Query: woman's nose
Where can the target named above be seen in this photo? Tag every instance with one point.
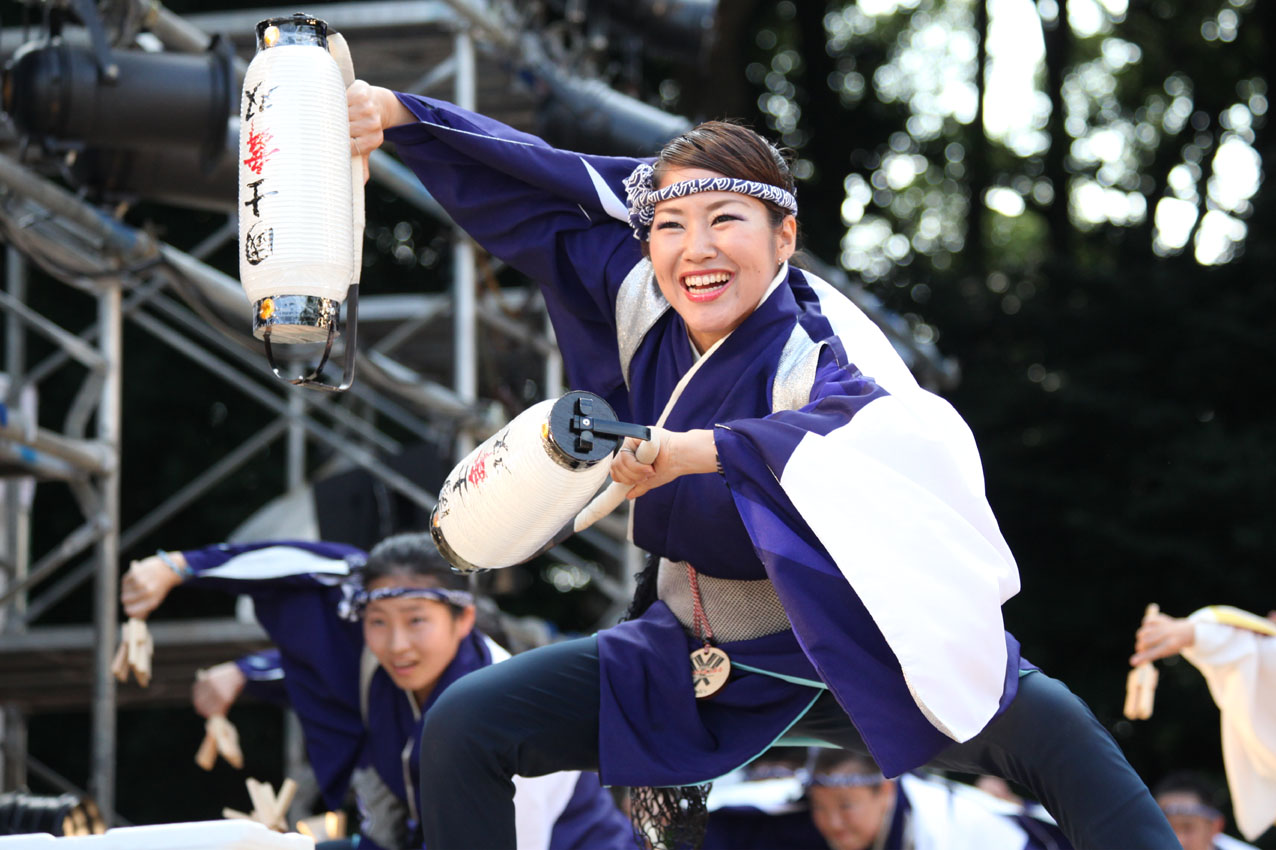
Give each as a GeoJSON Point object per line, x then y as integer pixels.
{"type": "Point", "coordinates": [700, 243]}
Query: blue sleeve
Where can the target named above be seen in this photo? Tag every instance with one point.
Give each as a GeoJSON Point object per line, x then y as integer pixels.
{"type": "Point", "coordinates": [295, 588]}
{"type": "Point", "coordinates": [264, 676]}
{"type": "Point", "coordinates": [252, 567]}
{"type": "Point", "coordinates": [557, 216]}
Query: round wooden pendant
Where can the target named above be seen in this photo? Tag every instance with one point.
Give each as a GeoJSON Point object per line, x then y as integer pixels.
{"type": "Point", "coordinates": [710, 668]}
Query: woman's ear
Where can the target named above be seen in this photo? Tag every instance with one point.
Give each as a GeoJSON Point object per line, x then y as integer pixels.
{"type": "Point", "coordinates": [786, 238]}
{"type": "Point", "coordinates": [465, 620]}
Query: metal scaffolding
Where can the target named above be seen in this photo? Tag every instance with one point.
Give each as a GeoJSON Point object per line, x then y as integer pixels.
{"type": "Point", "coordinates": [199, 313]}
{"type": "Point", "coordinates": [168, 293]}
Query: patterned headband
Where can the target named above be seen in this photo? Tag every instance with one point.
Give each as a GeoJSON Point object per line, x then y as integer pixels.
{"type": "Point", "coordinates": [842, 780]}
{"type": "Point", "coordinates": [769, 771]}
{"type": "Point", "coordinates": [356, 601]}
{"type": "Point", "coordinates": [643, 198]}
{"type": "Point", "coordinates": [1195, 810]}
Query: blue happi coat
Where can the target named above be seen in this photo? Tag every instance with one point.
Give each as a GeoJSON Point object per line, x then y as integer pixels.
{"type": "Point", "coordinates": [855, 492]}
{"type": "Point", "coordinates": [359, 727]}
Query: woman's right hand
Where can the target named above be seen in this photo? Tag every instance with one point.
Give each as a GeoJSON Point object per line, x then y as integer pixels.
{"type": "Point", "coordinates": [216, 689]}
{"type": "Point", "coordinates": [680, 453]}
{"type": "Point", "coordinates": [146, 584]}
{"type": "Point", "coordinates": [372, 110]}
{"type": "Point", "coordinates": [1161, 636]}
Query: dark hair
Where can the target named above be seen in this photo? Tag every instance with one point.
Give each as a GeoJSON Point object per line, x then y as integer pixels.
{"type": "Point", "coordinates": [733, 150]}
{"type": "Point", "coordinates": [1191, 782]}
{"type": "Point", "coordinates": [411, 555]}
{"type": "Point", "coordinates": [782, 756]}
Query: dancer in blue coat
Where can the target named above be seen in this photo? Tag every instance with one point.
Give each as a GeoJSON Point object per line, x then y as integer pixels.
{"type": "Point", "coordinates": [367, 644]}
{"type": "Point", "coordinates": [825, 552]}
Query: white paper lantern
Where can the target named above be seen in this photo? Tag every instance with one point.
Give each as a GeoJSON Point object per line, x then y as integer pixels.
{"type": "Point", "coordinates": [297, 250]}
{"type": "Point", "coordinates": [515, 494]}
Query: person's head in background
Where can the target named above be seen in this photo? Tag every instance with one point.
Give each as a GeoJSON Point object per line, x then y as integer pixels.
{"type": "Point", "coordinates": [416, 611]}
{"type": "Point", "coordinates": [851, 802]}
{"type": "Point", "coordinates": [1193, 806]}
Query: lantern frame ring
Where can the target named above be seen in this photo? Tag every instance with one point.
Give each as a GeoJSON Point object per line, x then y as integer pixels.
{"type": "Point", "coordinates": [313, 380]}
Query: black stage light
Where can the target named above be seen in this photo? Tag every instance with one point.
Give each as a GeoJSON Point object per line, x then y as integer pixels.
{"type": "Point", "coordinates": [178, 176]}
{"type": "Point", "coordinates": [68, 814]}
{"type": "Point", "coordinates": [589, 116]}
{"type": "Point", "coordinates": [66, 97]}
{"type": "Point", "coordinates": [676, 30]}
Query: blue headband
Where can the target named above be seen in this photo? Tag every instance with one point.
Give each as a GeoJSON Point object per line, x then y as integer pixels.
{"type": "Point", "coordinates": [842, 780]}
{"type": "Point", "coordinates": [769, 771]}
{"type": "Point", "coordinates": [1195, 810]}
{"type": "Point", "coordinates": [355, 599]}
{"type": "Point", "coordinates": [643, 198]}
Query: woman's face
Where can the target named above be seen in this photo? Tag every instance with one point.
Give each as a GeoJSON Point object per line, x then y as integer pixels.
{"type": "Point", "coordinates": [851, 818]}
{"type": "Point", "coordinates": [715, 254]}
{"type": "Point", "coordinates": [415, 639]}
{"type": "Point", "coordinates": [1194, 832]}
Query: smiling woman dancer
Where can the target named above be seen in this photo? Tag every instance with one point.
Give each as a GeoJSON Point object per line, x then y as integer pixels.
{"type": "Point", "coordinates": [819, 520]}
{"type": "Point", "coordinates": [368, 644]}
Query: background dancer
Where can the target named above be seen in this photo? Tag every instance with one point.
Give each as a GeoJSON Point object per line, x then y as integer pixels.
{"type": "Point", "coordinates": [368, 644]}
{"type": "Point", "coordinates": [1194, 807]}
{"type": "Point", "coordinates": [856, 808]}
{"type": "Point", "coordinates": [1236, 653]}
{"type": "Point", "coordinates": [819, 518]}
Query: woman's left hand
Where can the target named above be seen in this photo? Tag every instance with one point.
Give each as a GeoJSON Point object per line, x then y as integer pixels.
{"type": "Point", "coordinates": [216, 689]}
{"type": "Point", "coordinates": [681, 453]}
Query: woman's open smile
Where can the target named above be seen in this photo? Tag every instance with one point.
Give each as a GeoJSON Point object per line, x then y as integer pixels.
{"type": "Point", "coordinates": [707, 285]}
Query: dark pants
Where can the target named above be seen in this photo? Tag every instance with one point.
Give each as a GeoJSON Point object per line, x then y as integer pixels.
{"type": "Point", "coordinates": [1049, 741]}
{"type": "Point", "coordinates": [537, 713]}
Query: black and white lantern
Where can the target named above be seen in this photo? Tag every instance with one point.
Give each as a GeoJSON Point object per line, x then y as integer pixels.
{"type": "Point", "coordinates": [300, 190]}
{"type": "Point", "coordinates": [522, 489]}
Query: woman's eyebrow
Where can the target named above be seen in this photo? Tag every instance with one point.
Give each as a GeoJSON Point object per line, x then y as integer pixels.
{"type": "Point", "coordinates": [408, 603]}
{"type": "Point", "coordinates": [671, 207]}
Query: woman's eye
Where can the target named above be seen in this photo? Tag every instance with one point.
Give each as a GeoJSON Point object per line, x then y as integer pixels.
{"type": "Point", "coordinates": [667, 225]}
{"type": "Point", "coordinates": [722, 218]}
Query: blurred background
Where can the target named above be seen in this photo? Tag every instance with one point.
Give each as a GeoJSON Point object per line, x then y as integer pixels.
{"type": "Point", "coordinates": [1054, 208]}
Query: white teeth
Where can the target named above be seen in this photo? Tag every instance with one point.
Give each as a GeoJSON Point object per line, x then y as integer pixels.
{"type": "Point", "coordinates": [705, 280]}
